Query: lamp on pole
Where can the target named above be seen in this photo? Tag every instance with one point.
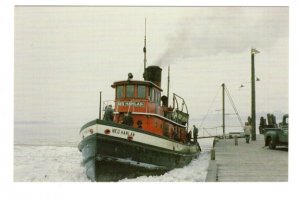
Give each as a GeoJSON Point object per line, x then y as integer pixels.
{"type": "Point", "coordinates": [243, 84]}
{"type": "Point", "coordinates": [253, 110]}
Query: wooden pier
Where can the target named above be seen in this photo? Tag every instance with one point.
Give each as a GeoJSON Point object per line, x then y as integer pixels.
{"type": "Point", "coordinates": [251, 162]}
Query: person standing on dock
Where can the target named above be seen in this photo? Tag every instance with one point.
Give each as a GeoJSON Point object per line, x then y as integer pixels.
{"type": "Point", "coordinates": [195, 133]}
{"type": "Point", "coordinates": [247, 130]}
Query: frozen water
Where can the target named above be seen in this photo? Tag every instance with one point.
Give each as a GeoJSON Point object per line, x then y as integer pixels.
{"type": "Point", "coordinates": [48, 163]}
{"type": "Point", "coordinates": [194, 172]}
{"type": "Point", "coordinates": [60, 163]}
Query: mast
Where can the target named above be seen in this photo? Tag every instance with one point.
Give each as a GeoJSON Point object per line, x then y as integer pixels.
{"type": "Point", "coordinates": [100, 105]}
{"type": "Point", "coordinates": [145, 51]}
{"type": "Point", "coordinates": [168, 84]}
{"type": "Point", "coordinates": [223, 109]}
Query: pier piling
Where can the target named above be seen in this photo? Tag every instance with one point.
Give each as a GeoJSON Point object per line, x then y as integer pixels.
{"type": "Point", "coordinates": [236, 142]}
{"type": "Point", "coordinates": [212, 154]}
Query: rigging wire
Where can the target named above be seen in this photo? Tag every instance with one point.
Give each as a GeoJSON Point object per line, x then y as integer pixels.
{"type": "Point", "coordinates": [233, 105]}
{"type": "Point", "coordinates": [210, 106]}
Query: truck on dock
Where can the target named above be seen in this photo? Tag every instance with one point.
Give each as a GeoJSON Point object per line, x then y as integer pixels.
{"type": "Point", "coordinates": [277, 136]}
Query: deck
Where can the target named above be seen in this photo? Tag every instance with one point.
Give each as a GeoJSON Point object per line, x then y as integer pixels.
{"type": "Point", "coordinates": [251, 162]}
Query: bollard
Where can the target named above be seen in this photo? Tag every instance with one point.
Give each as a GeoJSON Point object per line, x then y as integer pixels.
{"type": "Point", "coordinates": [212, 154]}
{"type": "Point", "coordinates": [236, 141]}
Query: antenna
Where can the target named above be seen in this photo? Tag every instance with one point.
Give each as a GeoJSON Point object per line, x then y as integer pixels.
{"type": "Point", "coordinates": [144, 50]}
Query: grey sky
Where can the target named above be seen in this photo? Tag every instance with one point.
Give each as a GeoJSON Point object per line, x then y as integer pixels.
{"type": "Point", "coordinates": [65, 55]}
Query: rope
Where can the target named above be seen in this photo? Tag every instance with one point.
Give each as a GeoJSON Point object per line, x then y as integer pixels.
{"type": "Point", "coordinates": [206, 131]}
{"type": "Point", "coordinates": [213, 127]}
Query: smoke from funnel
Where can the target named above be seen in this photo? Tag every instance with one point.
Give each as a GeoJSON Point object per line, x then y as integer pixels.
{"type": "Point", "coordinates": [223, 32]}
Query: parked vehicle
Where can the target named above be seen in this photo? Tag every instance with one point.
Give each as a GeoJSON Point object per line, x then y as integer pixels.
{"type": "Point", "coordinates": [277, 136]}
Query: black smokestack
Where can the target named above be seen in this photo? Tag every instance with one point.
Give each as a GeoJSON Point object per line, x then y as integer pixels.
{"type": "Point", "coordinates": [153, 74]}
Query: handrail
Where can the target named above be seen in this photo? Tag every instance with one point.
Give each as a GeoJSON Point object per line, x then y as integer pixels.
{"type": "Point", "coordinates": [183, 103]}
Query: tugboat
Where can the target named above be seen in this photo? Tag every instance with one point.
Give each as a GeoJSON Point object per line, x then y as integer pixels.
{"type": "Point", "coordinates": [139, 134]}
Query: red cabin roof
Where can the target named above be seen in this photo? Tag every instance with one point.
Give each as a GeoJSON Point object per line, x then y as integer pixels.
{"type": "Point", "coordinates": [137, 82]}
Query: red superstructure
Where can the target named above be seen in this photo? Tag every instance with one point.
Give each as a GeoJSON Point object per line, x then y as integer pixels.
{"type": "Point", "coordinates": [140, 105]}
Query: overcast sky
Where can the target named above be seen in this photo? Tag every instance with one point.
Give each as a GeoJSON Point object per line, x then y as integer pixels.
{"type": "Point", "coordinates": [65, 55]}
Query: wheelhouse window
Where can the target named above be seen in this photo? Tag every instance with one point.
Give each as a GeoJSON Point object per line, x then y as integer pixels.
{"type": "Point", "coordinates": [150, 93]}
{"type": "Point", "coordinates": [158, 98]}
{"type": "Point", "coordinates": [120, 91]}
{"type": "Point", "coordinates": [154, 95]}
{"type": "Point", "coordinates": [141, 91]}
{"type": "Point", "coordinates": [130, 91]}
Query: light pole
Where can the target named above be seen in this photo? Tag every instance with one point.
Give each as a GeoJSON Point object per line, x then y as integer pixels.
{"type": "Point", "coordinates": [253, 111]}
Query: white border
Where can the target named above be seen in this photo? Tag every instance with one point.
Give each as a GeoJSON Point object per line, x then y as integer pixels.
{"type": "Point", "coordinates": [10, 190]}
{"type": "Point", "coordinates": [155, 2]}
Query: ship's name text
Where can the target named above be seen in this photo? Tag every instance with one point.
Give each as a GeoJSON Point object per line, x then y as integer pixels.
{"type": "Point", "coordinates": [129, 103]}
{"type": "Point", "coordinates": [122, 132]}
